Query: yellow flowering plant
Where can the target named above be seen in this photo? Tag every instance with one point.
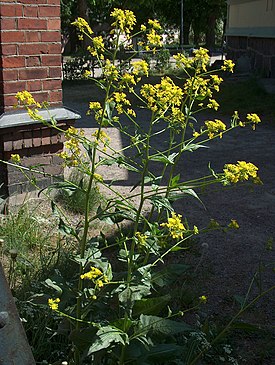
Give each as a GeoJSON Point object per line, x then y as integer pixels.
{"type": "Point", "coordinates": [119, 303]}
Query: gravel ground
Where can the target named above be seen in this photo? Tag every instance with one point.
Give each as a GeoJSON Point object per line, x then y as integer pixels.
{"type": "Point", "coordinates": [230, 260]}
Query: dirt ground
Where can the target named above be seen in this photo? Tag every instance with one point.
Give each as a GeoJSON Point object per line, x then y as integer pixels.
{"type": "Point", "coordinates": [230, 260]}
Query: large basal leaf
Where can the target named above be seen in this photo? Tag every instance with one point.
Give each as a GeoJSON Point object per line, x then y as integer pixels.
{"type": "Point", "coordinates": [105, 337]}
{"type": "Point", "coordinates": [158, 325]}
{"type": "Point", "coordinates": [169, 274]}
{"type": "Point", "coordinates": [151, 305]}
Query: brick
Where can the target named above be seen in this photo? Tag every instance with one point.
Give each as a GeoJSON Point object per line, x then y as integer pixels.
{"type": "Point", "coordinates": [55, 2]}
{"type": "Point", "coordinates": [31, 23]}
{"type": "Point", "coordinates": [34, 85]}
{"type": "Point", "coordinates": [18, 144]}
{"type": "Point", "coordinates": [12, 36]}
{"type": "Point", "coordinates": [13, 86]}
{"type": "Point", "coordinates": [13, 10]}
{"type": "Point", "coordinates": [51, 84]}
{"type": "Point", "coordinates": [51, 60]}
{"type": "Point", "coordinates": [54, 48]}
{"type": "Point", "coordinates": [8, 23]}
{"type": "Point", "coordinates": [56, 96]}
{"type": "Point", "coordinates": [27, 139]}
{"type": "Point", "coordinates": [32, 49]}
{"type": "Point", "coordinates": [32, 36]}
{"type": "Point", "coordinates": [8, 49]}
{"type": "Point", "coordinates": [36, 139]}
{"type": "Point", "coordinates": [9, 101]}
{"type": "Point", "coordinates": [41, 96]}
{"type": "Point", "coordinates": [31, 11]}
{"type": "Point", "coordinates": [49, 11]}
{"type": "Point", "coordinates": [48, 36]}
{"type": "Point", "coordinates": [13, 62]}
{"type": "Point", "coordinates": [55, 72]}
{"type": "Point", "coordinates": [9, 75]}
{"type": "Point", "coordinates": [53, 24]}
{"type": "Point", "coordinates": [32, 2]}
{"type": "Point", "coordinates": [46, 136]}
{"type": "Point", "coordinates": [33, 73]}
{"type": "Point", "coordinates": [33, 61]}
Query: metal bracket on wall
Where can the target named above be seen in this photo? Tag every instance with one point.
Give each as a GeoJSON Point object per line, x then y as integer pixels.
{"type": "Point", "coordinates": [14, 347]}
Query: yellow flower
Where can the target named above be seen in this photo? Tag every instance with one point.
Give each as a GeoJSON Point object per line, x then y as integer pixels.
{"type": "Point", "coordinates": [228, 65]}
{"type": "Point", "coordinates": [15, 158]}
{"type": "Point", "coordinates": [213, 104]}
{"type": "Point", "coordinates": [203, 299]}
{"type": "Point", "coordinates": [53, 303]}
{"type": "Point", "coordinates": [99, 283]}
{"type": "Point", "coordinates": [154, 24]}
{"type": "Point", "coordinates": [234, 224]}
{"type": "Point", "coordinates": [215, 127]}
{"type": "Point", "coordinates": [140, 67]}
{"type": "Point", "coordinates": [98, 177]}
{"type": "Point", "coordinates": [143, 28]}
{"type": "Point", "coordinates": [154, 39]}
{"type": "Point", "coordinates": [141, 238]}
{"type": "Point", "coordinates": [124, 20]}
{"type": "Point", "coordinates": [110, 70]}
{"type": "Point", "coordinates": [82, 25]}
{"type": "Point", "coordinates": [26, 98]}
{"type": "Point", "coordinates": [254, 118]}
{"type": "Point", "coordinates": [196, 230]}
{"type": "Point", "coordinates": [92, 274]}
{"type": "Point", "coordinates": [241, 171]}
{"type": "Point", "coordinates": [201, 58]}
{"type": "Point", "coordinates": [94, 105]}
{"type": "Point", "coordinates": [196, 134]}
{"type": "Point", "coordinates": [175, 226]}
{"type": "Point", "coordinates": [182, 61]}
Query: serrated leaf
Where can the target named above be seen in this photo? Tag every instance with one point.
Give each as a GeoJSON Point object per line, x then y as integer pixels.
{"type": "Point", "coordinates": [151, 305]}
{"type": "Point", "coordinates": [162, 326]}
{"type": "Point", "coordinates": [105, 337]}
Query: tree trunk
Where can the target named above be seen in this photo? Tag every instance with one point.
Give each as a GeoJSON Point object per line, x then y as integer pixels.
{"type": "Point", "coordinates": [210, 34]}
{"type": "Point", "coordinates": [83, 12]}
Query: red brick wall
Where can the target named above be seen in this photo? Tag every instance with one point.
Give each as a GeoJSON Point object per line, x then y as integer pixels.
{"type": "Point", "coordinates": [30, 51]}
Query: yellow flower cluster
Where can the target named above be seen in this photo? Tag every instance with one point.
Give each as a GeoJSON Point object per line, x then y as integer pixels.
{"type": "Point", "coordinates": [110, 71]}
{"type": "Point", "coordinates": [92, 274]}
{"type": "Point", "coordinates": [96, 276]}
{"type": "Point", "coordinates": [153, 39]}
{"type": "Point", "coordinates": [121, 100]}
{"type": "Point", "coordinates": [53, 303]}
{"type": "Point", "coordinates": [175, 226]}
{"type": "Point", "coordinates": [213, 104]}
{"type": "Point", "coordinates": [124, 20]}
{"type": "Point", "coordinates": [140, 68]}
{"type": "Point", "coordinates": [141, 238]}
{"type": "Point", "coordinates": [15, 158]}
{"type": "Point", "coordinates": [228, 65]}
{"type": "Point", "coordinates": [177, 118]}
{"type": "Point", "coordinates": [241, 171]}
{"type": "Point", "coordinates": [201, 58]}
{"type": "Point", "coordinates": [161, 97]}
{"type": "Point", "coordinates": [234, 224]}
{"type": "Point", "coordinates": [254, 119]}
{"type": "Point", "coordinates": [203, 299]}
{"type": "Point", "coordinates": [72, 144]}
{"type": "Point", "coordinates": [215, 127]}
{"type": "Point", "coordinates": [197, 86]}
{"type": "Point", "coordinates": [98, 46]}
{"type": "Point", "coordinates": [26, 98]}
{"type": "Point", "coordinates": [154, 24]}
{"type": "Point", "coordinates": [102, 136]}
{"type": "Point", "coordinates": [82, 25]}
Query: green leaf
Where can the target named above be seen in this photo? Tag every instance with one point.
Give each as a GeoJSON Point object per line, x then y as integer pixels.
{"type": "Point", "coordinates": [160, 202]}
{"type": "Point", "coordinates": [53, 285]}
{"type": "Point", "coordinates": [163, 326]}
{"type": "Point", "coordinates": [151, 305]}
{"type": "Point", "coordinates": [83, 338]}
{"type": "Point", "coordinates": [193, 147]}
{"type": "Point", "coordinates": [246, 327]}
{"type": "Point", "coordinates": [164, 159]}
{"type": "Point", "coordinates": [176, 195]}
{"type": "Point", "coordinates": [105, 337]}
{"type": "Point", "coordinates": [169, 274]}
{"type": "Point", "coordinates": [65, 229]}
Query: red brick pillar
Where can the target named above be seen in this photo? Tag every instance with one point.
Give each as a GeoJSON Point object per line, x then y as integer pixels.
{"type": "Point", "coordinates": [30, 59]}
